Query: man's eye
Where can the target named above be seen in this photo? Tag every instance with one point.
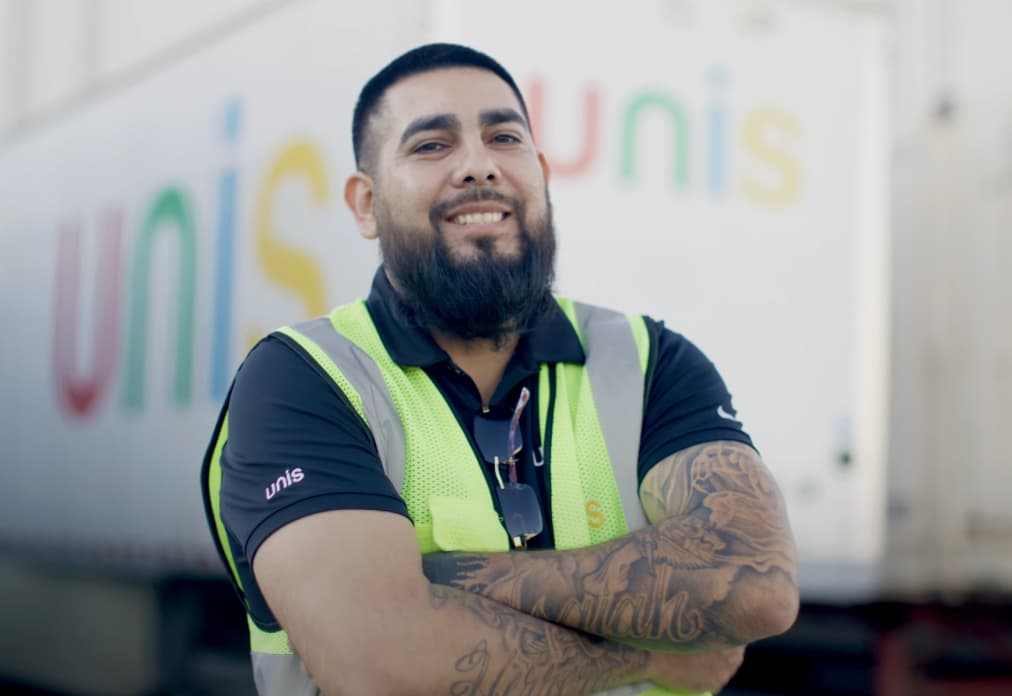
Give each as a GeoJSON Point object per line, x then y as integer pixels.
{"type": "Point", "coordinates": [506, 138]}
{"type": "Point", "coordinates": [429, 147]}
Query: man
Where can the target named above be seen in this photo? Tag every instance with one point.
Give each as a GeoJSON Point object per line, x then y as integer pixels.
{"type": "Point", "coordinates": [394, 485]}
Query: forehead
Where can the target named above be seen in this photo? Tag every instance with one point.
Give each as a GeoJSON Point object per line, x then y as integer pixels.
{"type": "Point", "coordinates": [462, 92]}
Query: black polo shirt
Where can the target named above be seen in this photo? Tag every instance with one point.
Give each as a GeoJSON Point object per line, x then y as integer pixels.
{"type": "Point", "coordinates": [287, 420]}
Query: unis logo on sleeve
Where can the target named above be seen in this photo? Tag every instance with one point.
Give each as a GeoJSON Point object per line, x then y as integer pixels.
{"type": "Point", "coordinates": [291, 477]}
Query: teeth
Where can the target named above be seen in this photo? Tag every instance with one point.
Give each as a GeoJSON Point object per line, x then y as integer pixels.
{"type": "Point", "coordinates": [478, 218]}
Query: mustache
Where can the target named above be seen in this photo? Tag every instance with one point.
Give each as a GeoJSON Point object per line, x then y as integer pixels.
{"type": "Point", "coordinates": [441, 210]}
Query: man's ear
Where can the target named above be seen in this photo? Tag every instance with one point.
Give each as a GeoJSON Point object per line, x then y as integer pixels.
{"type": "Point", "coordinates": [545, 169]}
{"type": "Point", "coordinates": [358, 195]}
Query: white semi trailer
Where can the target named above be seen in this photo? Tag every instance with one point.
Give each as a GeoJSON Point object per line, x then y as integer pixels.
{"type": "Point", "coordinates": [727, 167]}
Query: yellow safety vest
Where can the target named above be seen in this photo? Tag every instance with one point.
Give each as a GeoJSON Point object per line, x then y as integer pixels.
{"type": "Point", "coordinates": [427, 456]}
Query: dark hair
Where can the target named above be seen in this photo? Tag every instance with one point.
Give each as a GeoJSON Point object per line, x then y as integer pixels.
{"type": "Point", "coordinates": [418, 60]}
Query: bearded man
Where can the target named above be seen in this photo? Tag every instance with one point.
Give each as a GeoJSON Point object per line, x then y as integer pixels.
{"type": "Point", "coordinates": [466, 485]}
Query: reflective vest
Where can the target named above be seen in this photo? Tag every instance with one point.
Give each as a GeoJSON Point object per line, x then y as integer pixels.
{"type": "Point", "coordinates": [430, 461]}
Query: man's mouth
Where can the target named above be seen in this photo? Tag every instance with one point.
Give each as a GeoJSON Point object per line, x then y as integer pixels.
{"type": "Point", "coordinates": [478, 213]}
{"type": "Point", "coordinates": [487, 218]}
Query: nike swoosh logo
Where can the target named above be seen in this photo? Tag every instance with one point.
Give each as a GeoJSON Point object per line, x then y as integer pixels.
{"type": "Point", "coordinates": [725, 415]}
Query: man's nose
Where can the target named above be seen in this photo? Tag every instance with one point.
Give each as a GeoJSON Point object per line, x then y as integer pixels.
{"type": "Point", "coordinates": [477, 166]}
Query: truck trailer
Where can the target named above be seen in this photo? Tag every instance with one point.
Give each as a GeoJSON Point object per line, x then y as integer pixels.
{"type": "Point", "coordinates": [751, 173]}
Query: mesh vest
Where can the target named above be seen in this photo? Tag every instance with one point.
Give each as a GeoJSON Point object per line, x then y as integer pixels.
{"type": "Point", "coordinates": [430, 461]}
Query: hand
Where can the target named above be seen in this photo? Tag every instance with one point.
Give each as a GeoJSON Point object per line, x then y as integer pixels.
{"type": "Point", "coordinates": [707, 671]}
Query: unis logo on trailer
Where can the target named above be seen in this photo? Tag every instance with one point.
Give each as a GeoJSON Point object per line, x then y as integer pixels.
{"type": "Point", "coordinates": [751, 152]}
{"type": "Point", "coordinates": [291, 477]}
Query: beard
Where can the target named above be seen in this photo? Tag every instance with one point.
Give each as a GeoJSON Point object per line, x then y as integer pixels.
{"type": "Point", "coordinates": [488, 294]}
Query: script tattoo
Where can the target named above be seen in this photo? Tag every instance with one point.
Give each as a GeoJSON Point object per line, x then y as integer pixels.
{"type": "Point", "coordinates": [720, 541]}
{"type": "Point", "coordinates": [532, 656]}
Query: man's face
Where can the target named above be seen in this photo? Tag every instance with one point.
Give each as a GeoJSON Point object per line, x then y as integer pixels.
{"type": "Point", "coordinates": [440, 136]}
{"type": "Point", "coordinates": [461, 204]}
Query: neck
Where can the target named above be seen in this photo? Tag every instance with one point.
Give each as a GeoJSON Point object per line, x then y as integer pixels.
{"type": "Point", "coordinates": [482, 359]}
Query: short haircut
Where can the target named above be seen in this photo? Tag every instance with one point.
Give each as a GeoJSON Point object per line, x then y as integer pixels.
{"type": "Point", "coordinates": [423, 59]}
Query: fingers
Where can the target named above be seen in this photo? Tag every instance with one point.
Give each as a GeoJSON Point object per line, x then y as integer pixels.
{"type": "Point", "coordinates": [732, 657]}
{"type": "Point", "coordinates": [710, 671]}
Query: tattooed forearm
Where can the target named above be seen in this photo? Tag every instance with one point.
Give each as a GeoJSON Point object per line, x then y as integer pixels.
{"type": "Point", "coordinates": [530, 656]}
{"type": "Point", "coordinates": [716, 568]}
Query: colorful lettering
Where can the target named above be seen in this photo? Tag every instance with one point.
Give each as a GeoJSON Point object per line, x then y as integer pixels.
{"type": "Point", "coordinates": [79, 394]}
{"type": "Point", "coordinates": [288, 267]}
{"type": "Point", "coordinates": [680, 136]}
{"type": "Point", "coordinates": [768, 175]}
{"type": "Point", "coordinates": [224, 270]}
{"type": "Point", "coordinates": [171, 209]}
{"type": "Point", "coordinates": [718, 134]}
{"type": "Point", "coordinates": [587, 152]}
{"type": "Point", "coordinates": [759, 127]}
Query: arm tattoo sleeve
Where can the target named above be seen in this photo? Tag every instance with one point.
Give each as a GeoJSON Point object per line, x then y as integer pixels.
{"type": "Point", "coordinates": [716, 563]}
{"type": "Point", "coordinates": [525, 655]}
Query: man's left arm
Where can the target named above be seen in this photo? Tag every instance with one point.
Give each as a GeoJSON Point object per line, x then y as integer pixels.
{"type": "Point", "coordinates": [715, 568]}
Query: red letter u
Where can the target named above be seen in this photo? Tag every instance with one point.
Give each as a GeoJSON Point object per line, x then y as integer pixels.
{"type": "Point", "coordinates": [591, 122]}
{"type": "Point", "coordinates": [78, 394]}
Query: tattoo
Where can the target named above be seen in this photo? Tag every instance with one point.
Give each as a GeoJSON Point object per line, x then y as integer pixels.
{"type": "Point", "coordinates": [531, 656]}
{"type": "Point", "coordinates": [720, 545]}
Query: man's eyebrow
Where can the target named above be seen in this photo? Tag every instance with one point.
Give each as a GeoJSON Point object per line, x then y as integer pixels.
{"type": "Point", "coordinates": [494, 117]}
{"type": "Point", "coordinates": [432, 122]}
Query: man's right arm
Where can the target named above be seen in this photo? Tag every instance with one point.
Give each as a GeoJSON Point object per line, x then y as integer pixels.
{"type": "Point", "coordinates": [348, 588]}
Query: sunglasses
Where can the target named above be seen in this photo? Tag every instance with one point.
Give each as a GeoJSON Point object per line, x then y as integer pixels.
{"type": "Point", "coordinates": [500, 442]}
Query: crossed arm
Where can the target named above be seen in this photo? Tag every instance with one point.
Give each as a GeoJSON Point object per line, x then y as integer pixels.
{"type": "Point", "coordinates": [715, 569]}
{"type": "Point", "coordinates": [347, 585]}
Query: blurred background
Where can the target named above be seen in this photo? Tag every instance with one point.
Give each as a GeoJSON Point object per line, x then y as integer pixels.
{"type": "Point", "coordinates": [817, 192]}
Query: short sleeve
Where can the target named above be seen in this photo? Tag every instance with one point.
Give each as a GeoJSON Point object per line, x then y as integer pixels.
{"type": "Point", "coordinates": [687, 402]}
{"type": "Point", "coordinates": [295, 447]}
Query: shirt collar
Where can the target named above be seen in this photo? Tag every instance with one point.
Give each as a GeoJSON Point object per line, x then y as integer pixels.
{"type": "Point", "coordinates": [553, 339]}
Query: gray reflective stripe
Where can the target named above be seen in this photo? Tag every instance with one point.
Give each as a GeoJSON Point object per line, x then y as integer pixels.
{"type": "Point", "coordinates": [281, 675]}
{"type": "Point", "coordinates": [364, 375]}
{"type": "Point", "coordinates": [616, 379]}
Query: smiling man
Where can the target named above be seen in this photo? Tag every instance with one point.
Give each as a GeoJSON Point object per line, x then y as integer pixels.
{"type": "Point", "coordinates": [466, 485]}
{"type": "Point", "coordinates": [470, 253]}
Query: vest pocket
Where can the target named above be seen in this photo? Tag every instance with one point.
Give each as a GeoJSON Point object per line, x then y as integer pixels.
{"type": "Point", "coordinates": [465, 525]}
